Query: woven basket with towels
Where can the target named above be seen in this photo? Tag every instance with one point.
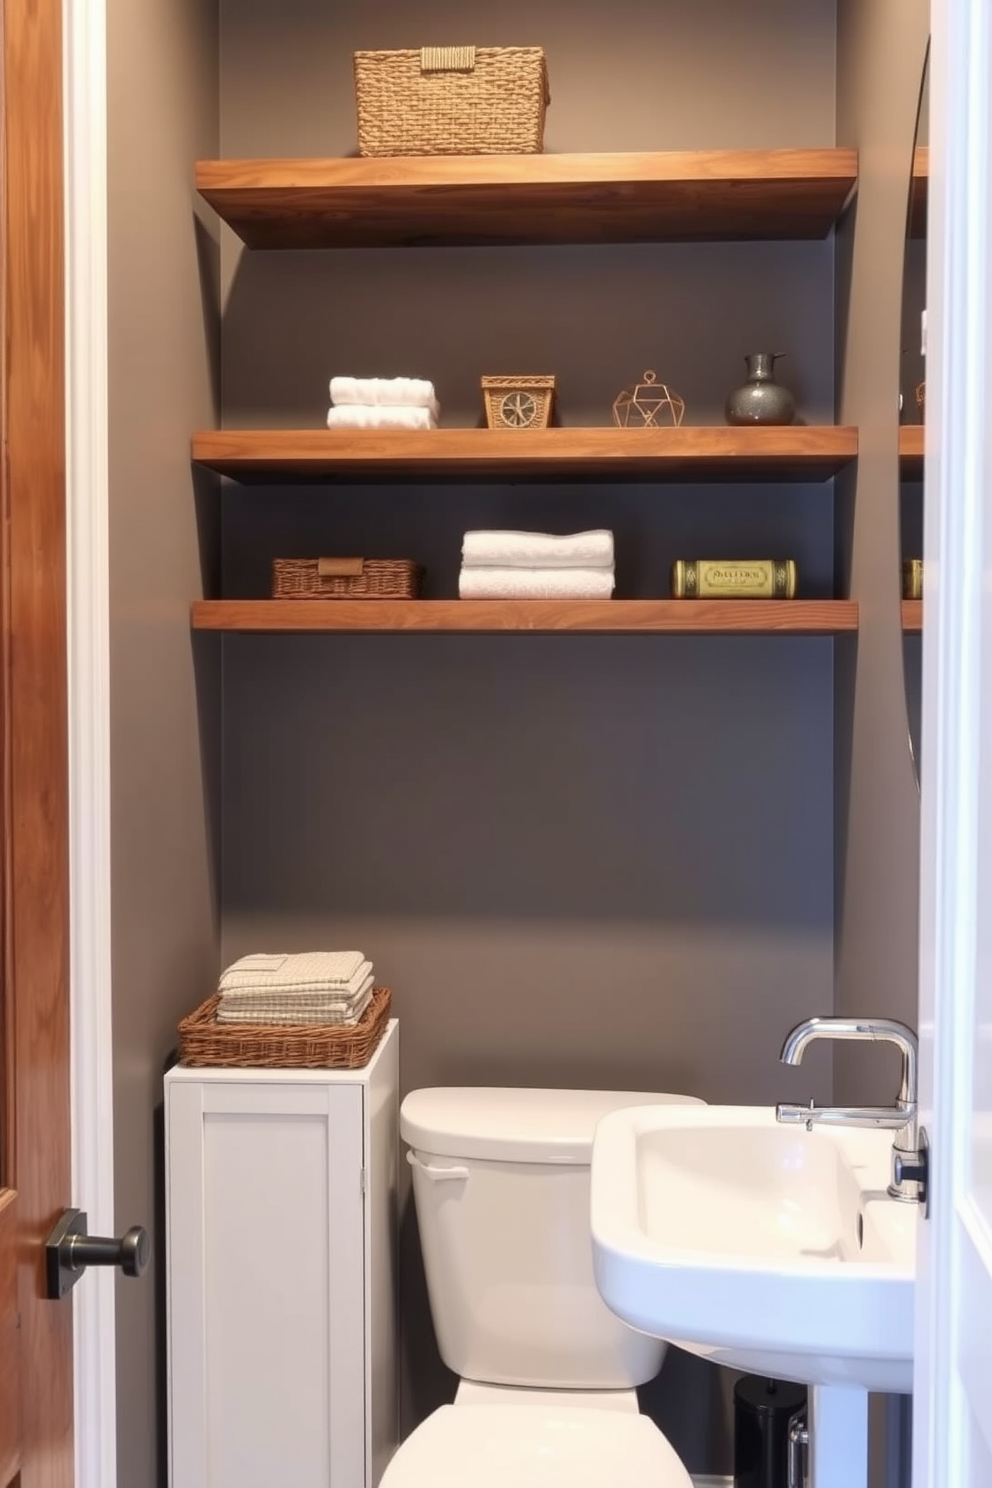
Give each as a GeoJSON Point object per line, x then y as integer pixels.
{"type": "Point", "coordinates": [317, 1009]}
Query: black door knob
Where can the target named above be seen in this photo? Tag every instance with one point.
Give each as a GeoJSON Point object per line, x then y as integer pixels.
{"type": "Point", "coordinates": [131, 1252]}
{"type": "Point", "coordinates": [69, 1250]}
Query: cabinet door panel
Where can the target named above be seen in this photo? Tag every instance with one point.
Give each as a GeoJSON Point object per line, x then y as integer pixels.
{"type": "Point", "coordinates": [266, 1301]}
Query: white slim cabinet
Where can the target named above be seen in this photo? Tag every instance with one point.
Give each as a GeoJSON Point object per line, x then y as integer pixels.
{"type": "Point", "coordinates": [281, 1274]}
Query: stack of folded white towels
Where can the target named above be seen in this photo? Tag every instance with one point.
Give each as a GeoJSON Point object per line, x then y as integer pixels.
{"type": "Point", "coordinates": [536, 565]}
{"type": "Point", "coordinates": [312, 987]}
{"type": "Point", "coordinates": [382, 403]}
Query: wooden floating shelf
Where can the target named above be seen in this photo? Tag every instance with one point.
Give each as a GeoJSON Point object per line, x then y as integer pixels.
{"type": "Point", "coordinates": [911, 451]}
{"type": "Point", "coordinates": [671, 616]}
{"type": "Point", "coordinates": [919, 203]}
{"type": "Point", "coordinates": [685, 195]}
{"type": "Point", "coordinates": [912, 616]}
{"type": "Point", "coordinates": [795, 453]}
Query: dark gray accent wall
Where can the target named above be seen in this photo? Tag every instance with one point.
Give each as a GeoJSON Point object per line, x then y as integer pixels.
{"type": "Point", "coordinates": [164, 344]}
{"type": "Point", "coordinates": [555, 856]}
{"type": "Point", "coordinates": [578, 861]}
{"type": "Point", "coordinates": [623, 76]}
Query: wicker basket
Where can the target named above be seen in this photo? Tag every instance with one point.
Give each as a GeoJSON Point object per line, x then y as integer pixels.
{"type": "Point", "coordinates": [346, 578]}
{"type": "Point", "coordinates": [452, 101]}
{"type": "Point", "coordinates": [204, 1041]}
{"type": "Point", "coordinates": [518, 402]}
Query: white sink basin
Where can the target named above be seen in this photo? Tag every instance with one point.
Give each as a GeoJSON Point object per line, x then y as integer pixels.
{"type": "Point", "coordinates": [760, 1246]}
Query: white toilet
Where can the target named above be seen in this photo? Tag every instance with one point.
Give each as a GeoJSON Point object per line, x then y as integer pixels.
{"type": "Point", "coordinates": [546, 1372]}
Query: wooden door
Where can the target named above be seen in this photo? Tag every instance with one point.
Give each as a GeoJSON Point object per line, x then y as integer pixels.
{"type": "Point", "coordinates": [36, 1427]}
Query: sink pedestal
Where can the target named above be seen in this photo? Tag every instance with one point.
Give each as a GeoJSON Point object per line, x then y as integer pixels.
{"type": "Point", "coordinates": [838, 1436]}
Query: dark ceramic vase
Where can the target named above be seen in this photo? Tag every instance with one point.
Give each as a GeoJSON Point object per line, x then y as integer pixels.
{"type": "Point", "coordinates": [761, 400]}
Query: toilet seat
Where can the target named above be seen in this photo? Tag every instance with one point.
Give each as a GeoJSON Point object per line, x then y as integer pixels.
{"type": "Point", "coordinates": [478, 1446]}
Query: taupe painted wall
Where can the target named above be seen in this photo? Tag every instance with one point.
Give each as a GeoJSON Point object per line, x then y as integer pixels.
{"type": "Point", "coordinates": [880, 60]}
{"type": "Point", "coordinates": [881, 46]}
{"type": "Point", "coordinates": [578, 861]}
{"type": "Point", "coordinates": [163, 113]}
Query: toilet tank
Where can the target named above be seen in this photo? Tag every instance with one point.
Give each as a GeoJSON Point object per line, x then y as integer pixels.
{"type": "Point", "coordinates": [501, 1185]}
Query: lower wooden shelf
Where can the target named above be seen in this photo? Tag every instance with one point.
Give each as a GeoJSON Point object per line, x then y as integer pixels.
{"type": "Point", "coordinates": [912, 616]}
{"type": "Point", "coordinates": [677, 616]}
{"type": "Point", "coordinates": [911, 450]}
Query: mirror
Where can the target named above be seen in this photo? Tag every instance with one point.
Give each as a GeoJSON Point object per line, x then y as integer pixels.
{"type": "Point", "coordinates": [912, 421]}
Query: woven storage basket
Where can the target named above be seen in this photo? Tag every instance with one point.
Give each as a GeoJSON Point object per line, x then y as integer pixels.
{"type": "Point", "coordinates": [204, 1041]}
{"type": "Point", "coordinates": [452, 101]}
{"type": "Point", "coordinates": [346, 578]}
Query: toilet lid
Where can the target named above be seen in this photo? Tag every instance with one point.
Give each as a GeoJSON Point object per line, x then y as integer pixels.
{"type": "Point", "coordinates": [502, 1446]}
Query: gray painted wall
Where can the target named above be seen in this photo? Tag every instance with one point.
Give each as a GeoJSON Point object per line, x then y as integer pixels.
{"type": "Point", "coordinates": [578, 860]}
{"type": "Point", "coordinates": [162, 101]}
{"type": "Point", "coordinates": [880, 60]}
{"type": "Point", "coordinates": [881, 50]}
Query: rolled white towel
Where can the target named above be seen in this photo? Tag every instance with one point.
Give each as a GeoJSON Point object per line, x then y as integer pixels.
{"type": "Point", "coordinates": [384, 392]}
{"type": "Point", "coordinates": [357, 416]}
{"type": "Point", "coordinates": [535, 583]}
{"type": "Point", "coordinates": [538, 550]}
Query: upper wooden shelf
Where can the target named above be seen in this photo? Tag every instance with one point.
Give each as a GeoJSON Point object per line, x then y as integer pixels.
{"type": "Point", "coordinates": [911, 451]}
{"type": "Point", "coordinates": [796, 453]}
{"type": "Point", "coordinates": [676, 616]}
{"type": "Point", "coordinates": [685, 195]}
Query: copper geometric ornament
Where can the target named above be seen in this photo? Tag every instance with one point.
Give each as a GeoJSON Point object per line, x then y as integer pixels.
{"type": "Point", "coordinates": [648, 405]}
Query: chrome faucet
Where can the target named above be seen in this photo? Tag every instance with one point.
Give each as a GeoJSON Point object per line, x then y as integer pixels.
{"type": "Point", "coordinates": [908, 1163]}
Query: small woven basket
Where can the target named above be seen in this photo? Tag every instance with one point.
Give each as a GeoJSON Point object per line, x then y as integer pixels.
{"type": "Point", "coordinates": [452, 101]}
{"type": "Point", "coordinates": [518, 402]}
{"type": "Point", "coordinates": [346, 578]}
{"type": "Point", "coordinates": [205, 1042]}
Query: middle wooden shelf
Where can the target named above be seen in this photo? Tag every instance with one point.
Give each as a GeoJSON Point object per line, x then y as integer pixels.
{"type": "Point", "coordinates": [793, 453]}
{"type": "Point", "coordinates": [676, 616]}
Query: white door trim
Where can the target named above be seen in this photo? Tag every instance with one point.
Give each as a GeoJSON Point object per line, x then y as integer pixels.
{"type": "Point", "coordinates": [87, 415]}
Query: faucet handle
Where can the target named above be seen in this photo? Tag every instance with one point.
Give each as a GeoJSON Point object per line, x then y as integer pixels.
{"type": "Point", "coordinates": [910, 1168]}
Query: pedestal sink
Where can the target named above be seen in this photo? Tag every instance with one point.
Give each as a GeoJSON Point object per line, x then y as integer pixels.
{"type": "Point", "coordinates": [765, 1247]}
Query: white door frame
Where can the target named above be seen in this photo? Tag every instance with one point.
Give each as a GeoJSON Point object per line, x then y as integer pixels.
{"type": "Point", "coordinates": [87, 441]}
{"type": "Point", "coordinates": [954, 1299]}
